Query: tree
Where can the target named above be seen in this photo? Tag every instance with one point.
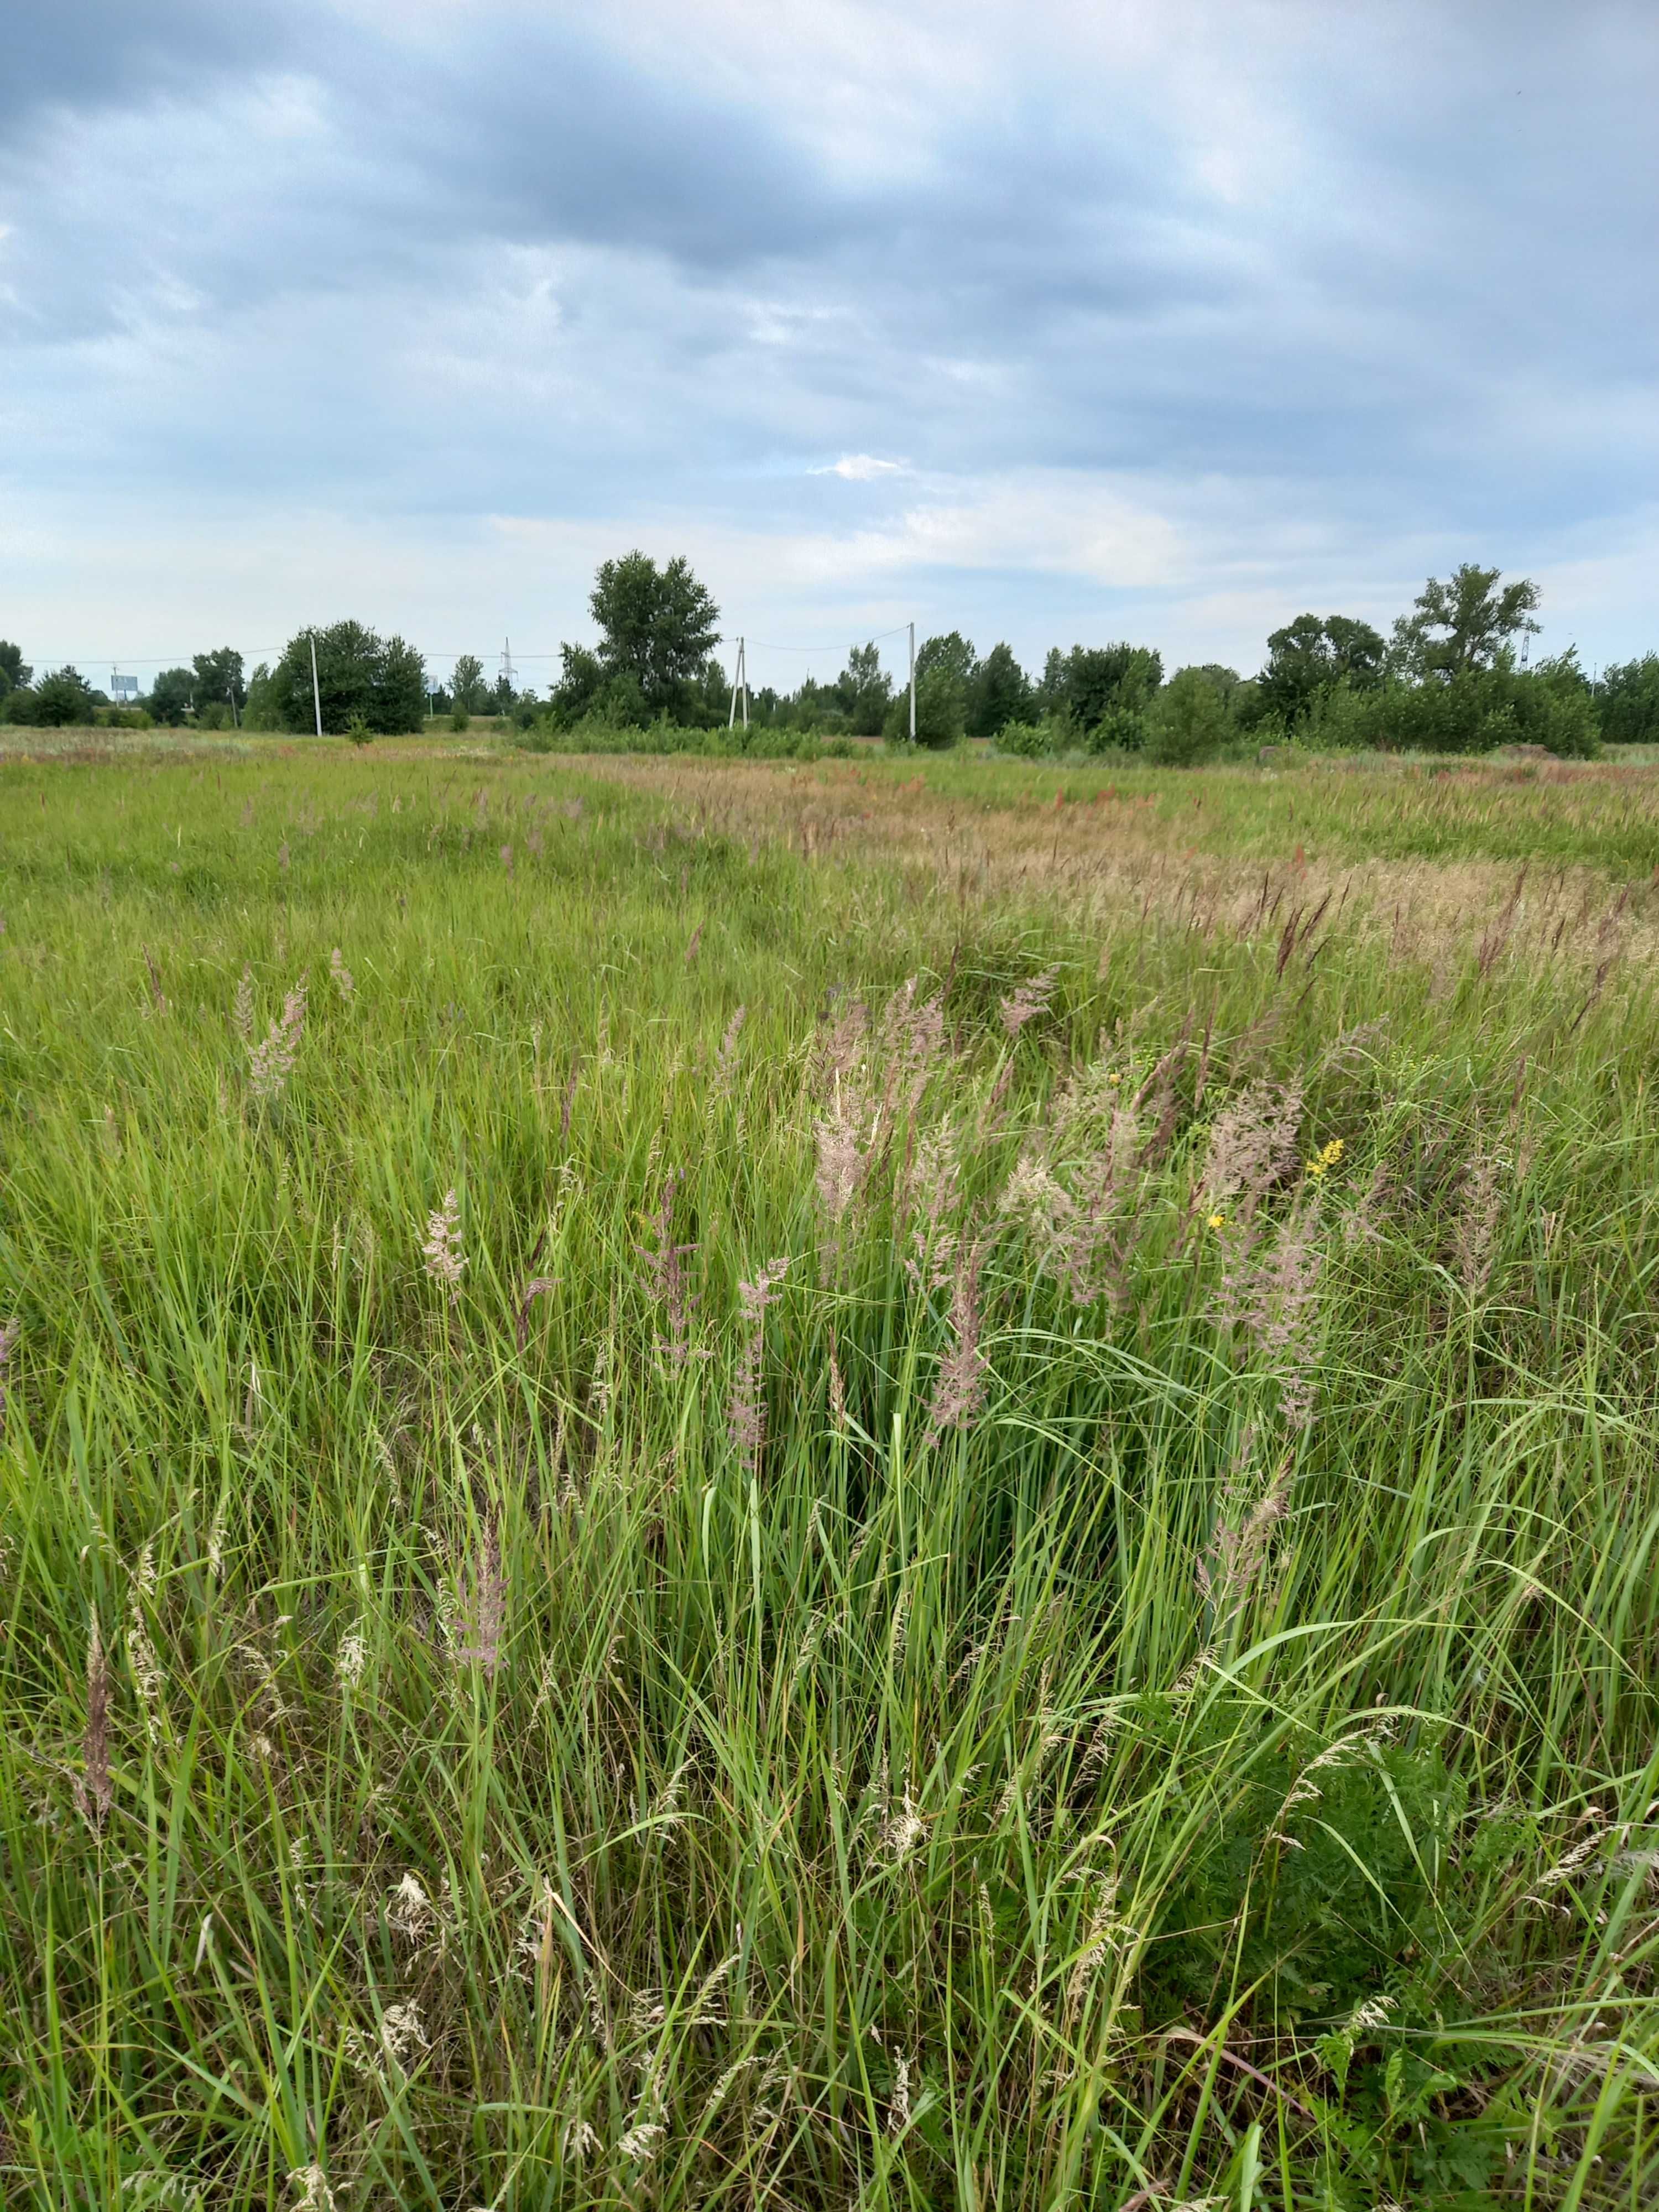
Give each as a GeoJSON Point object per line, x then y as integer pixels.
{"type": "Point", "coordinates": [864, 690]}
{"type": "Point", "coordinates": [1309, 656]}
{"type": "Point", "coordinates": [1188, 720]}
{"type": "Point", "coordinates": [941, 705]}
{"type": "Point", "coordinates": [173, 695]}
{"type": "Point", "coordinates": [13, 675]}
{"type": "Point", "coordinates": [1091, 682]}
{"type": "Point", "coordinates": [1628, 695]}
{"type": "Point", "coordinates": [361, 675]}
{"type": "Point", "coordinates": [656, 625]}
{"type": "Point", "coordinates": [219, 680]}
{"type": "Point", "coordinates": [62, 698]}
{"type": "Point", "coordinates": [1463, 625]}
{"type": "Point", "coordinates": [952, 652]}
{"type": "Point", "coordinates": [468, 685]}
{"type": "Point", "coordinates": [1000, 693]}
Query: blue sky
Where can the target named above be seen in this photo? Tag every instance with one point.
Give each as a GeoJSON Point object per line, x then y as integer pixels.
{"type": "Point", "coordinates": [1048, 322]}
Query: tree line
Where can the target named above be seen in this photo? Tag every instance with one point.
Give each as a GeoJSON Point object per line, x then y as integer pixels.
{"type": "Point", "coordinates": [1451, 677]}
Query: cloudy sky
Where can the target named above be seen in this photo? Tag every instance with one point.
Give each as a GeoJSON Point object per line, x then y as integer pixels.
{"type": "Point", "coordinates": [1072, 320]}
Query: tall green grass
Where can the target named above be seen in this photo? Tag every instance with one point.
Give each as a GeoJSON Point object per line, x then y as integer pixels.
{"type": "Point", "coordinates": [1127, 1676]}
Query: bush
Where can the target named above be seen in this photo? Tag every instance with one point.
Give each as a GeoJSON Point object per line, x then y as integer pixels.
{"type": "Point", "coordinates": [1120, 729]}
{"type": "Point", "coordinates": [17, 708]}
{"type": "Point", "coordinates": [461, 720]}
{"type": "Point", "coordinates": [1187, 722]}
{"type": "Point", "coordinates": [1024, 740]}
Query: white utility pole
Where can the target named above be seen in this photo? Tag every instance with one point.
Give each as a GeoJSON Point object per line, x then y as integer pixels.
{"type": "Point", "coordinates": [739, 688]}
{"type": "Point", "coordinates": [316, 692]}
{"type": "Point", "coordinates": [913, 683]}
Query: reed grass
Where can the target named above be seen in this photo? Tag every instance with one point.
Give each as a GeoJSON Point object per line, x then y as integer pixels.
{"type": "Point", "coordinates": [692, 1520]}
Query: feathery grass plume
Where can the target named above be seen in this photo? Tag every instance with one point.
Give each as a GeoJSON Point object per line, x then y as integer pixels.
{"type": "Point", "coordinates": [403, 2032]}
{"type": "Point", "coordinates": [536, 1287]}
{"type": "Point", "coordinates": [314, 2194]}
{"type": "Point", "coordinates": [959, 1386]}
{"type": "Point", "coordinates": [746, 1412]}
{"type": "Point", "coordinates": [726, 1061]}
{"type": "Point", "coordinates": [341, 974]}
{"type": "Point", "coordinates": [1093, 1259]}
{"type": "Point", "coordinates": [95, 1790]}
{"type": "Point", "coordinates": [507, 858]}
{"type": "Point", "coordinates": [352, 1657]}
{"type": "Point", "coordinates": [282, 856]}
{"type": "Point", "coordinates": [1028, 1001]}
{"type": "Point", "coordinates": [443, 1257]}
{"type": "Point", "coordinates": [692, 944]}
{"type": "Point", "coordinates": [1238, 1551]}
{"type": "Point", "coordinates": [664, 1265]}
{"type": "Point", "coordinates": [842, 1158]}
{"type": "Point", "coordinates": [1270, 1293]}
{"type": "Point", "coordinates": [158, 1003]}
{"type": "Point", "coordinates": [1253, 1146]}
{"type": "Point", "coordinates": [1476, 1228]}
{"type": "Point", "coordinates": [271, 1064]}
{"type": "Point", "coordinates": [483, 1617]}
{"type": "Point", "coordinates": [10, 1331]}
{"type": "Point", "coordinates": [929, 1196]}
{"type": "Point", "coordinates": [242, 1011]}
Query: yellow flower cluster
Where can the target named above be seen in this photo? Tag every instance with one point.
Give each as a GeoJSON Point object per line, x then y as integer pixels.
{"type": "Point", "coordinates": [1325, 1159]}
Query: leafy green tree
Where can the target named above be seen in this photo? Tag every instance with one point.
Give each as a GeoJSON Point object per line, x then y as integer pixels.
{"type": "Point", "coordinates": [219, 680]}
{"type": "Point", "coordinates": [999, 694]}
{"type": "Point", "coordinates": [952, 652]}
{"type": "Point", "coordinates": [657, 626]}
{"type": "Point", "coordinates": [1187, 720]}
{"type": "Point", "coordinates": [1309, 656]}
{"type": "Point", "coordinates": [865, 691]}
{"type": "Point", "coordinates": [1090, 681]}
{"type": "Point", "coordinates": [263, 711]}
{"type": "Point", "coordinates": [1628, 696]}
{"type": "Point", "coordinates": [359, 674]}
{"type": "Point", "coordinates": [941, 708]}
{"type": "Point", "coordinates": [13, 676]}
{"type": "Point", "coordinates": [581, 679]}
{"type": "Point", "coordinates": [468, 685]}
{"type": "Point", "coordinates": [63, 698]}
{"type": "Point", "coordinates": [172, 696]}
{"type": "Point", "coordinates": [1463, 625]}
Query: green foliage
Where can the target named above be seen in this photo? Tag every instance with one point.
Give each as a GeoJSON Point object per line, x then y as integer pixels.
{"type": "Point", "coordinates": [172, 696]}
{"type": "Point", "coordinates": [1090, 682]}
{"type": "Point", "coordinates": [361, 675]}
{"type": "Point", "coordinates": [1000, 692]}
{"type": "Point", "coordinates": [865, 691]}
{"type": "Point", "coordinates": [1309, 657]}
{"type": "Point", "coordinates": [59, 698]}
{"type": "Point", "coordinates": [14, 674]}
{"type": "Point", "coordinates": [1461, 627]}
{"type": "Point", "coordinates": [467, 684]}
{"type": "Point", "coordinates": [657, 628]}
{"type": "Point", "coordinates": [1627, 698]}
{"type": "Point", "coordinates": [263, 707]}
{"type": "Point", "coordinates": [1026, 740]}
{"type": "Point", "coordinates": [219, 680]}
{"type": "Point", "coordinates": [941, 708]}
{"type": "Point", "coordinates": [461, 720]}
{"type": "Point", "coordinates": [1186, 723]}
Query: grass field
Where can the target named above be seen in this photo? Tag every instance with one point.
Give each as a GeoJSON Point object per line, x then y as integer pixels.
{"type": "Point", "coordinates": [731, 1485]}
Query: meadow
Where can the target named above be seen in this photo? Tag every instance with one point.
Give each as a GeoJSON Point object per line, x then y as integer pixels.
{"type": "Point", "coordinates": [883, 1485]}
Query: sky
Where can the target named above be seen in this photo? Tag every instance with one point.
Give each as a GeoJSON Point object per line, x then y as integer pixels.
{"type": "Point", "coordinates": [1055, 323]}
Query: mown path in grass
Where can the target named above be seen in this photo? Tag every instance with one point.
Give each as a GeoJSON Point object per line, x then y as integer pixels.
{"type": "Point", "coordinates": [722, 1487]}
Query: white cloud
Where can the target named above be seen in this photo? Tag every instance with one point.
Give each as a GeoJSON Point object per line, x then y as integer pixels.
{"type": "Point", "coordinates": [861, 468]}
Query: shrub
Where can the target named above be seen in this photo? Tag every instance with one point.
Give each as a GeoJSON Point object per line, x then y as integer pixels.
{"type": "Point", "coordinates": [941, 711]}
{"type": "Point", "coordinates": [1120, 729]}
{"type": "Point", "coordinates": [1188, 721]}
{"type": "Point", "coordinates": [461, 720]}
{"type": "Point", "coordinates": [1025, 741]}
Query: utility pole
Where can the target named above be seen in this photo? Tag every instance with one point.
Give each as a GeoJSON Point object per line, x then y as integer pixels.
{"type": "Point", "coordinates": [739, 688]}
{"type": "Point", "coordinates": [316, 692]}
{"type": "Point", "coordinates": [913, 682]}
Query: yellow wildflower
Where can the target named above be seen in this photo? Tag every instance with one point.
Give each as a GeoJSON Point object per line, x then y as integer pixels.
{"type": "Point", "coordinates": [1217, 1221]}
